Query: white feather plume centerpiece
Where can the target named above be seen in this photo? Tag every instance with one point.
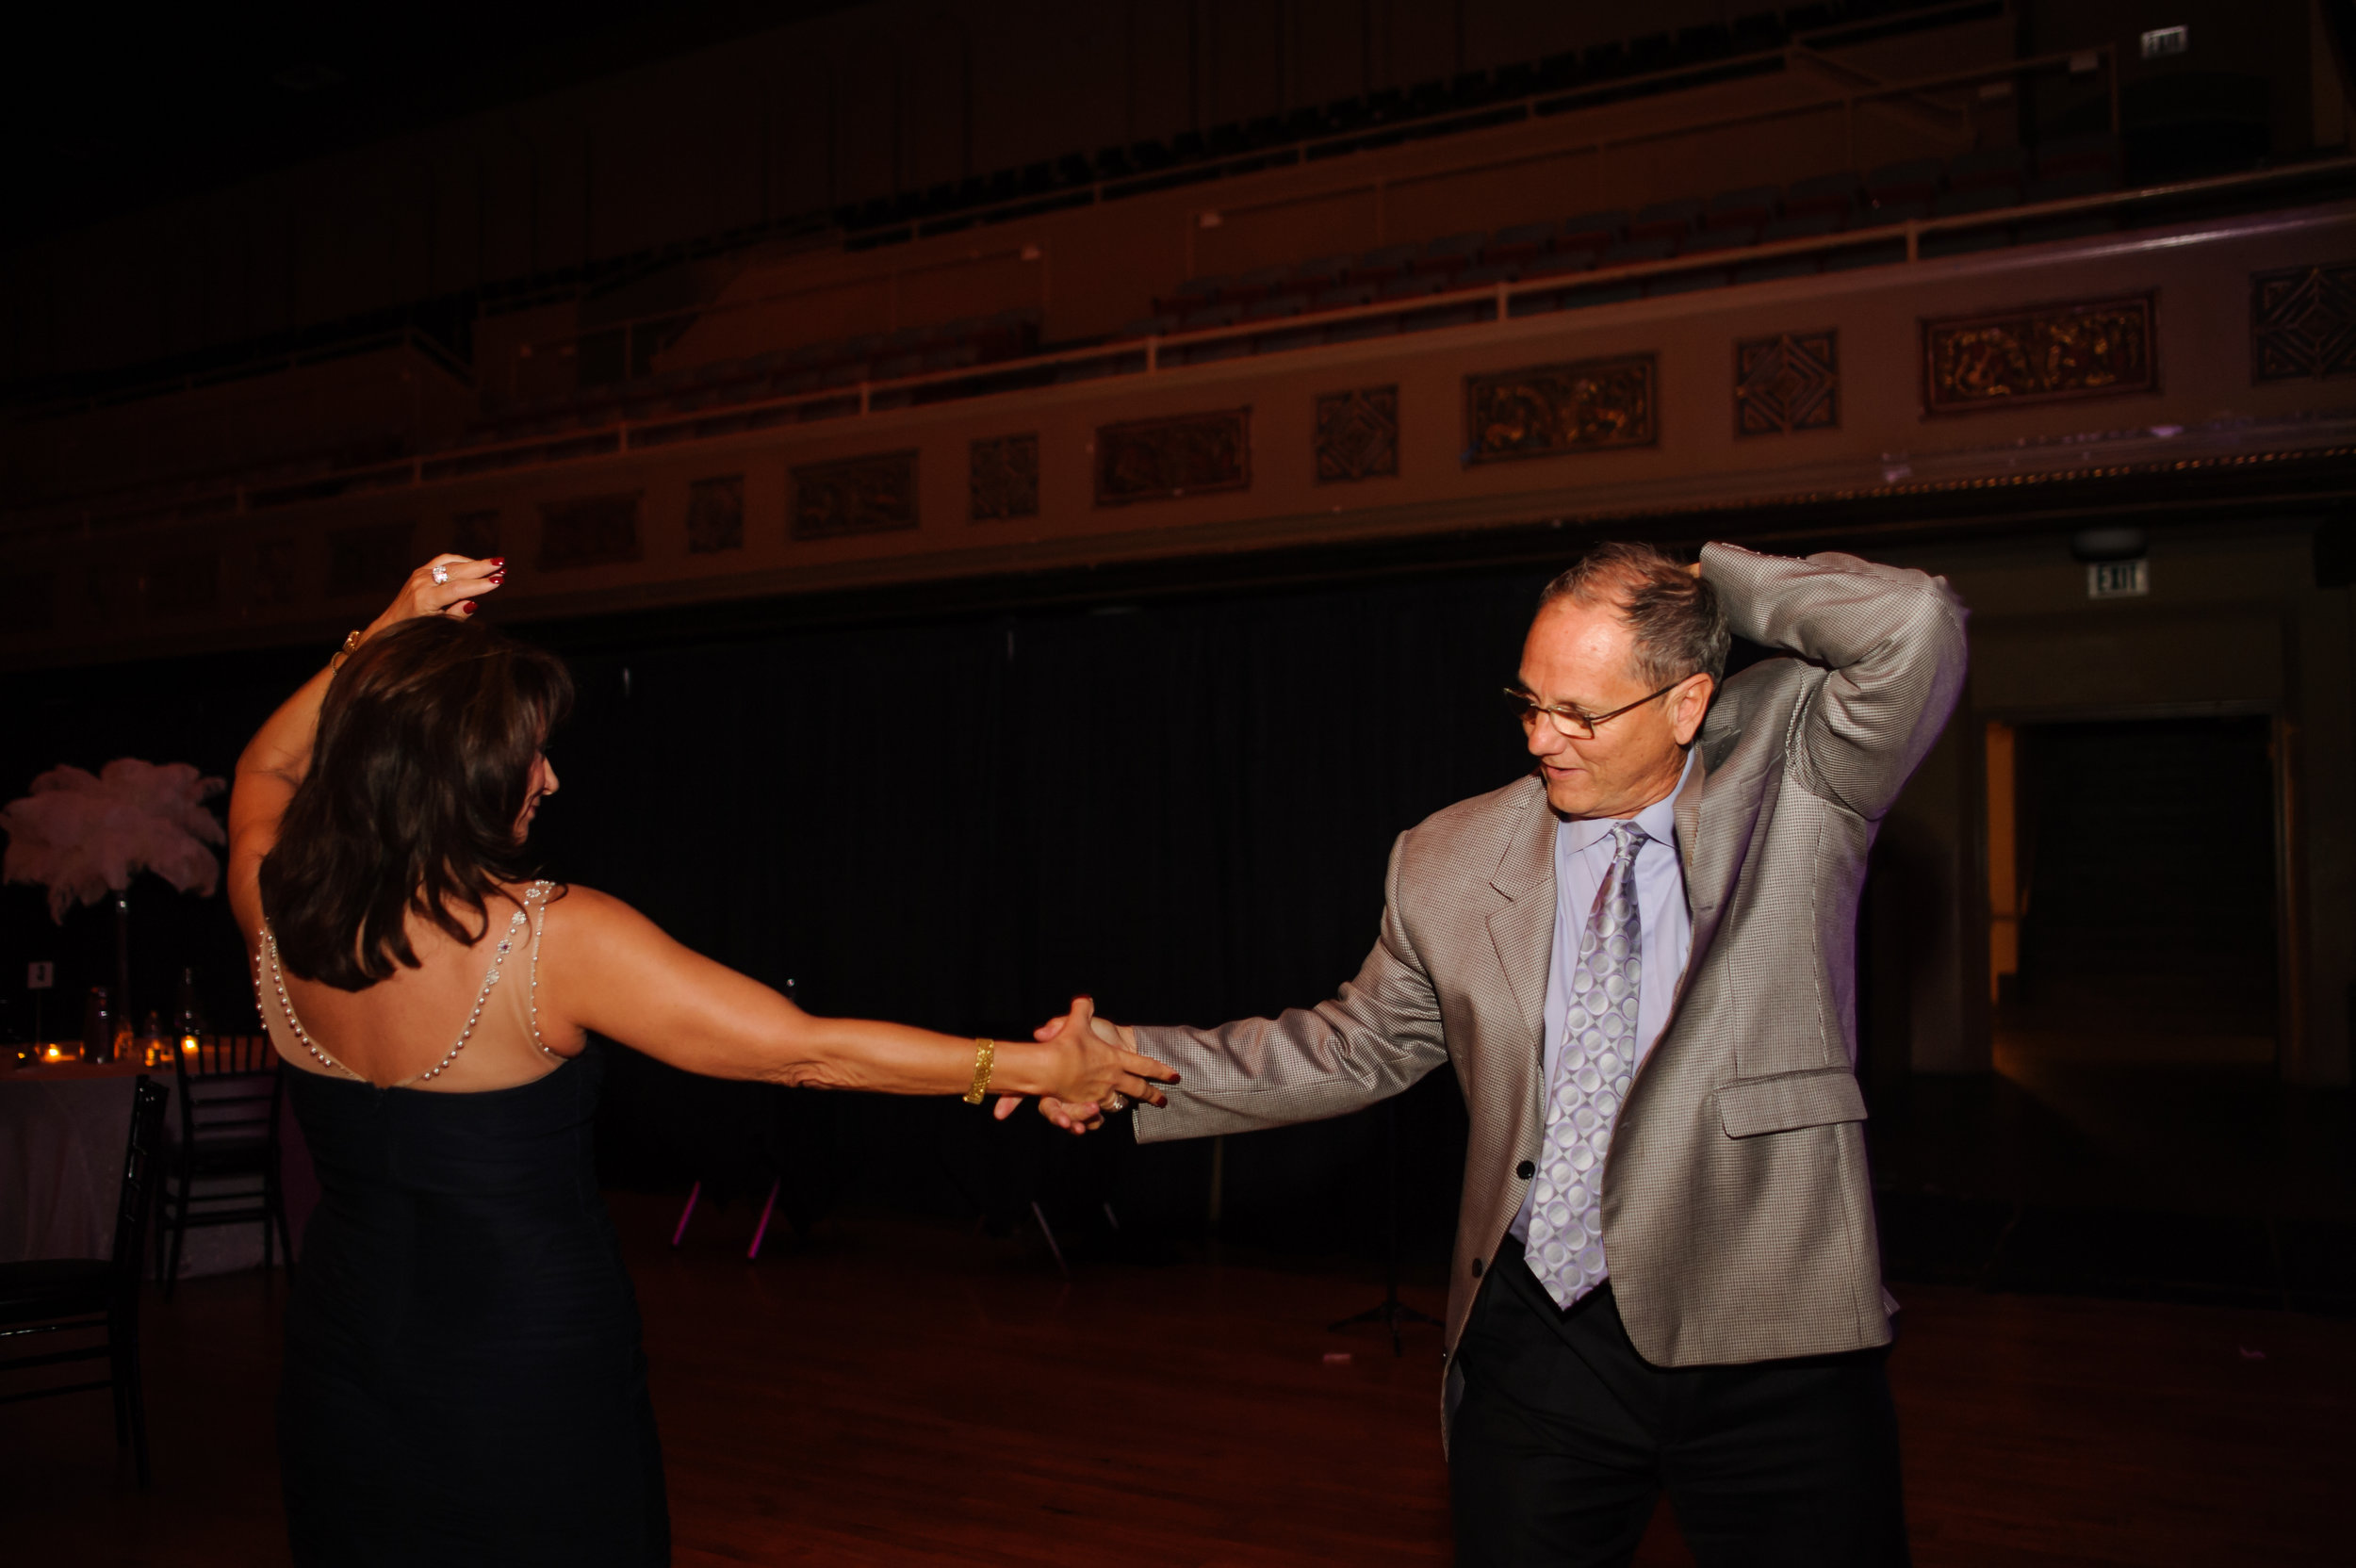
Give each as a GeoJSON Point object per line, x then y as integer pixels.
{"type": "Point", "coordinates": [84, 835]}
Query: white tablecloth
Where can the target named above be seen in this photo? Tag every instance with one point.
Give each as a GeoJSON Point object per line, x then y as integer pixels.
{"type": "Point", "coordinates": [61, 1147]}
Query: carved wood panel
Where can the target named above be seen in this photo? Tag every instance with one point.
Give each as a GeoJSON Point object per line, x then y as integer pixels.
{"type": "Point", "coordinates": [2042, 354]}
{"type": "Point", "coordinates": [1791, 381]}
{"type": "Point", "coordinates": [715, 514]}
{"type": "Point", "coordinates": [373, 560]}
{"type": "Point", "coordinates": [1191, 454]}
{"type": "Point", "coordinates": [1357, 435]}
{"type": "Point", "coordinates": [1002, 477]}
{"type": "Point", "coordinates": [2302, 323]}
{"type": "Point", "coordinates": [590, 530]}
{"type": "Point", "coordinates": [475, 534]}
{"type": "Point", "coordinates": [1550, 410]}
{"type": "Point", "coordinates": [858, 494]}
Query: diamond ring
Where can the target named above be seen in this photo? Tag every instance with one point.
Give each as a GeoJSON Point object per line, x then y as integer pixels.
{"type": "Point", "coordinates": [441, 575]}
{"type": "Point", "coordinates": [1117, 1101]}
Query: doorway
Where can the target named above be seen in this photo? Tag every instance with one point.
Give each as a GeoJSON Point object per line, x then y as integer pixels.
{"type": "Point", "coordinates": [2132, 891]}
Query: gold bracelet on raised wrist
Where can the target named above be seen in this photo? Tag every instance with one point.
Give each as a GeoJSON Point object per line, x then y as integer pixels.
{"type": "Point", "coordinates": [985, 1057]}
{"type": "Point", "coordinates": [352, 641]}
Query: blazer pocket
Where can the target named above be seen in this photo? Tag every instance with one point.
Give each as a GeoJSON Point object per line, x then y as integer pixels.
{"type": "Point", "coordinates": [1749, 1106]}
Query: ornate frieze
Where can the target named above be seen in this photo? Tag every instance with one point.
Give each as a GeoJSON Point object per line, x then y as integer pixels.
{"type": "Point", "coordinates": [857, 495]}
{"type": "Point", "coordinates": [715, 514]}
{"type": "Point", "coordinates": [589, 530]}
{"type": "Point", "coordinates": [1002, 479]}
{"type": "Point", "coordinates": [1547, 410]}
{"type": "Point", "coordinates": [2302, 323]}
{"type": "Point", "coordinates": [1191, 454]}
{"type": "Point", "coordinates": [371, 561]}
{"type": "Point", "coordinates": [2045, 353]}
{"type": "Point", "coordinates": [1791, 381]}
{"type": "Point", "coordinates": [1357, 435]}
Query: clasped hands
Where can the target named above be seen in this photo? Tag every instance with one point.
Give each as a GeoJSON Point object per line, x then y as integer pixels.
{"type": "Point", "coordinates": [1104, 1051]}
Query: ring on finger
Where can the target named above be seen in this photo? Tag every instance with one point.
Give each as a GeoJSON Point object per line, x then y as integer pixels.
{"type": "Point", "coordinates": [441, 576]}
{"type": "Point", "coordinates": [1116, 1102]}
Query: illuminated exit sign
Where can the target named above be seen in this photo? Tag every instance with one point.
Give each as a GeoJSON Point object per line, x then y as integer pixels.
{"type": "Point", "coordinates": [2118, 579]}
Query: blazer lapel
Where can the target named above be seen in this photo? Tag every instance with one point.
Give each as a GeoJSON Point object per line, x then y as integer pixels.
{"type": "Point", "coordinates": [1523, 929]}
{"type": "Point", "coordinates": [1714, 821]}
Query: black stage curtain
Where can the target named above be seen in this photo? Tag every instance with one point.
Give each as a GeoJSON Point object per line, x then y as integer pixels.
{"type": "Point", "coordinates": [1183, 809]}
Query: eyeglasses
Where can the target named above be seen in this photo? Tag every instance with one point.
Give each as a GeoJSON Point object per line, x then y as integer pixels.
{"type": "Point", "coordinates": [1570, 721]}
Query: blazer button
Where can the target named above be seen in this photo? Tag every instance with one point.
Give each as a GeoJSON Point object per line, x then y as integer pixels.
{"type": "Point", "coordinates": [1476, 1269]}
{"type": "Point", "coordinates": [1525, 1170]}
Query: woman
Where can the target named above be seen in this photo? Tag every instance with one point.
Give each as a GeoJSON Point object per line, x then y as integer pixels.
{"type": "Point", "coordinates": [463, 1381]}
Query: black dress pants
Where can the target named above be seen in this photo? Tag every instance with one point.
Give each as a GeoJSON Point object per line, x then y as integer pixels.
{"type": "Point", "coordinates": [1565, 1438]}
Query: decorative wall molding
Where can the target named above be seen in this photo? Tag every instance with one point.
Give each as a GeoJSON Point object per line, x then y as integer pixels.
{"type": "Point", "coordinates": [372, 561]}
{"type": "Point", "coordinates": [1549, 409]}
{"type": "Point", "coordinates": [590, 530]}
{"type": "Point", "coordinates": [857, 495]}
{"type": "Point", "coordinates": [1357, 435]}
{"type": "Point", "coordinates": [2038, 355]}
{"type": "Point", "coordinates": [2302, 323]}
{"type": "Point", "coordinates": [1791, 381]}
{"type": "Point", "coordinates": [1190, 454]}
{"type": "Point", "coordinates": [1002, 477]}
{"type": "Point", "coordinates": [715, 514]}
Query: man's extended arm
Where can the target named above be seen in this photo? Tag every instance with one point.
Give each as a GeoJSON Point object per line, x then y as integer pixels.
{"type": "Point", "coordinates": [1380, 1035]}
{"type": "Point", "coordinates": [1893, 640]}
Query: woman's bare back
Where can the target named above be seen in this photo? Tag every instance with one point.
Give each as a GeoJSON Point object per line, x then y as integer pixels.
{"type": "Point", "coordinates": [468, 1019]}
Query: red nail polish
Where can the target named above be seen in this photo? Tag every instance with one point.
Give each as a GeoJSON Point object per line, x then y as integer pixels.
{"type": "Point", "coordinates": [498, 560]}
{"type": "Point", "coordinates": [468, 607]}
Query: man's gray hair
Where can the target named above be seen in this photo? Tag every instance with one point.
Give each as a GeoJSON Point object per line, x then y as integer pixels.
{"type": "Point", "coordinates": [1681, 627]}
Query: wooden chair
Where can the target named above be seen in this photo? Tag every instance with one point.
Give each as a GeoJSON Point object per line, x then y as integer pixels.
{"type": "Point", "coordinates": [48, 1295]}
{"type": "Point", "coordinates": [230, 1090]}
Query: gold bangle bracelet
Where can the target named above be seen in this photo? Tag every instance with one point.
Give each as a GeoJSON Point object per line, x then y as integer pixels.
{"type": "Point", "coordinates": [350, 642]}
{"type": "Point", "coordinates": [985, 1057]}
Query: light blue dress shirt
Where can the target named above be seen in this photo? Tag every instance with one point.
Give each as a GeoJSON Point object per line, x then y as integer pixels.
{"type": "Point", "coordinates": [1582, 859]}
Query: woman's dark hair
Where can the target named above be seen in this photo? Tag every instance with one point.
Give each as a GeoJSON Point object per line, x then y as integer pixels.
{"type": "Point", "coordinates": [422, 763]}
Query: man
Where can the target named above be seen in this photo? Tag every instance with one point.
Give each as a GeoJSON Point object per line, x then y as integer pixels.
{"type": "Point", "coordinates": [1639, 960]}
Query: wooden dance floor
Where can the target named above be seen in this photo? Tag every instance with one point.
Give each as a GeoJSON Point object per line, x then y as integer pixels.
{"type": "Point", "coordinates": [893, 1393]}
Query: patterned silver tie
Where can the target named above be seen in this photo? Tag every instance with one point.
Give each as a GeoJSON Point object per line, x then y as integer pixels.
{"type": "Point", "coordinates": [1590, 1080]}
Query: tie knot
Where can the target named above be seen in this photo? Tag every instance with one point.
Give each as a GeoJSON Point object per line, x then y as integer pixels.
{"type": "Point", "coordinates": [1626, 839]}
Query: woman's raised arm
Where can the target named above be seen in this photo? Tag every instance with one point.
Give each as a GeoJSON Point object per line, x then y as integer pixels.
{"type": "Point", "coordinates": [608, 968]}
{"type": "Point", "coordinates": [274, 761]}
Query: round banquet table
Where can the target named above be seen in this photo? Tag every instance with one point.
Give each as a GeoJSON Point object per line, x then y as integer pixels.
{"type": "Point", "coordinates": [63, 1126]}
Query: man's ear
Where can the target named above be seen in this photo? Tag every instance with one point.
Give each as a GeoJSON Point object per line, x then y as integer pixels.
{"type": "Point", "coordinates": [1692, 706]}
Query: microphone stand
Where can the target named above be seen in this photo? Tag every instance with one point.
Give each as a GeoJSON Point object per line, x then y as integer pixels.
{"type": "Point", "coordinates": [1390, 1312]}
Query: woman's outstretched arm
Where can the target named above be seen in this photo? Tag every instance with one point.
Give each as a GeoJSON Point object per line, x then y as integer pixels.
{"type": "Point", "coordinates": [274, 761]}
{"type": "Point", "coordinates": [608, 968]}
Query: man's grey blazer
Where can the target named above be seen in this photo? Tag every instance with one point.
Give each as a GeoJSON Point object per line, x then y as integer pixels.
{"type": "Point", "coordinates": [1738, 1215]}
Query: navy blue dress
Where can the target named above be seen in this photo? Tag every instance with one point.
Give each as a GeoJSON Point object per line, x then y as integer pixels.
{"type": "Point", "coordinates": [463, 1381]}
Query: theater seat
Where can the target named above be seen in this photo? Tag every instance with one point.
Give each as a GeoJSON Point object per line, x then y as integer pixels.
{"type": "Point", "coordinates": [1892, 184]}
{"type": "Point", "coordinates": [1989, 165]}
{"type": "Point", "coordinates": [1824, 193]}
{"type": "Point", "coordinates": [1741, 209]}
{"type": "Point", "coordinates": [1665, 220]}
{"type": "Point", "coordinates": [1524, 242]}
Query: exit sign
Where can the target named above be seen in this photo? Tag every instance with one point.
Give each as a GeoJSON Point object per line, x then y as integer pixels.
{"type": "Point", "coordinates": [2118, 579]}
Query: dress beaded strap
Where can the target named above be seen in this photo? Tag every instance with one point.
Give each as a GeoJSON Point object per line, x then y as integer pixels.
{"type": "Point", "coordinates": [535, 895]}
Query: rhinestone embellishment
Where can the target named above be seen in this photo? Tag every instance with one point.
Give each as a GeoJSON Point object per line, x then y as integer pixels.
{"type": "Point", "coordinates": [534, 896]}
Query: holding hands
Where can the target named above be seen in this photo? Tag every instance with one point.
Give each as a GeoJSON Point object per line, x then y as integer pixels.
{"type": "Point", "coordinates": [1094, 1040]}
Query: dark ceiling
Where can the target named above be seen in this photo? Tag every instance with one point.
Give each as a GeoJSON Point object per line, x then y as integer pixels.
{"type": "Point", "coordinates": [109, 110]}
